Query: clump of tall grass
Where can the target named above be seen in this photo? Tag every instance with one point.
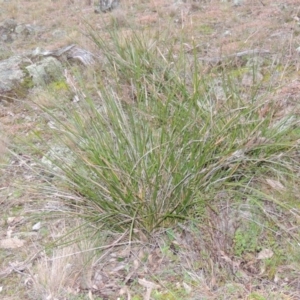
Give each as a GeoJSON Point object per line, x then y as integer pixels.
{"type": "Point", "coordinates": [163, 156]}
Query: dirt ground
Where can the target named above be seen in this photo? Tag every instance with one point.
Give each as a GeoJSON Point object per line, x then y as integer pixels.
{"type": "Point", "coordinates": [219, 28]}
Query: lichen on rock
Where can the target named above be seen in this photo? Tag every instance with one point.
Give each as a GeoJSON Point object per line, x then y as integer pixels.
{"type": "Point", "coordinates": [47, 70]}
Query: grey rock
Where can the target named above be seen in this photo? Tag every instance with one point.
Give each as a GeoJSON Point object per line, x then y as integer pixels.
{"type": "Point", "coordinates": [238, 2]}
{"type": "Point", "coordinates": [26, 30]}
{"type": "Point", "coordinates": [37, 226]}
{"type": "Point", "coordinates": [108, 5]}
{"type": "Point", "coordinates": [7, 29]}
{"type": "Point", "coordinates": [55, 155]}
{"type": "Point", "coordinates": [10, 73]}
{"type": "Point", "coordinates": [10, 24]}
{"type": "Point", "coordinates": [19, 29]}
{"type": "Point", "coordinates": [38, 67]}
{"type": "Point", "coordinates": [58, 33]}
{"type": "Point", "coordinates": [4, 37]}
{"type": "Point", "coordinates": [47, 70]}
{"type": "Point", "coordinates": [70, 52]}
{"type": "Point", "coordinates": [10, 30]}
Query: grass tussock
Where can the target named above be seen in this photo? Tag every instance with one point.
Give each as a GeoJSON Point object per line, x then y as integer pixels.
{"type": "Point", "coordinates": [159, 145]}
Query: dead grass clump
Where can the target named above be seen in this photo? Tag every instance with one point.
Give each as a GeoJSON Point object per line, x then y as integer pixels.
{"type": "Point", "coordinates": [64, 273]}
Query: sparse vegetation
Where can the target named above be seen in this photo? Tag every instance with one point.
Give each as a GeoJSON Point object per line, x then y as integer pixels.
{"type": "Point", "coordinates": [182, 170]}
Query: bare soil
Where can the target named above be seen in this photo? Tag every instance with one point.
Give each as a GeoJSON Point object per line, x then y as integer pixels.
{"type": "Point", "coordinates": [219, 29]}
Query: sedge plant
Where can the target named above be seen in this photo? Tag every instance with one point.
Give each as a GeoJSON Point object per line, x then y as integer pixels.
{"type": "Point", "coordinates": [160, 158]}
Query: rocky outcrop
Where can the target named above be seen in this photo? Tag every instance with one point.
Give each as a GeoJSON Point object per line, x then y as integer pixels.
{"type": "Point", "coordinates": [38, 67]}
{"type": "Point", "coordinates": [45, 71]}
{"type": "Point", "coordinates": [20, 72]}
{"type": "Point", "coordinates": [10, 30]}
{"type": "Point", "coordinates": [10, 74]}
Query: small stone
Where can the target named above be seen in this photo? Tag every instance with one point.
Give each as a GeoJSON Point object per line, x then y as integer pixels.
{"type": "Point", "coordinates": [59, 33]}
{"type": "Point", "coordinates": [20, 28]}
{"type": "Point", "coordinates": [47, 70]}
{"type": "Point", "coordinates": [108, 5]}
{"type": "Point", "coordinates": [37, 226]}
{"type": "Point", "coordinates": [187, 288]}
{"type": "Point", "coordinates": [265, 254]}
{"type": "Point", "coordinates": [237, 2]}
